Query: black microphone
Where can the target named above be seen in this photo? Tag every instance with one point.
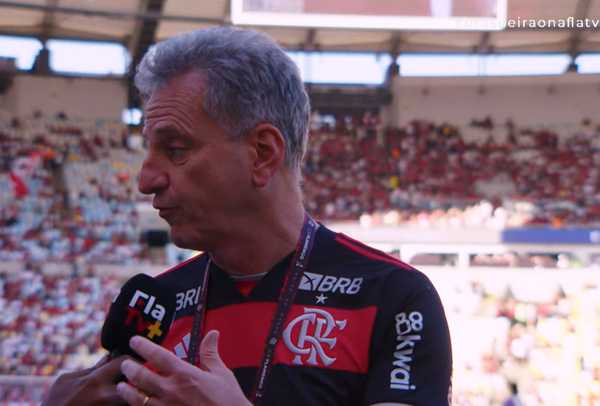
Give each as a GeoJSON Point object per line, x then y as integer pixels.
{"type": "Point", "coordinates": [144, 307]}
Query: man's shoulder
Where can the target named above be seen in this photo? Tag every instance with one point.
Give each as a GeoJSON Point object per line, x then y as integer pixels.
{"type": "Point", "coordinates": [187, 268]}
{"type": "Point", "coordinates": [350, 255]}
{"type": "Point", "coordinates": [379, 277]}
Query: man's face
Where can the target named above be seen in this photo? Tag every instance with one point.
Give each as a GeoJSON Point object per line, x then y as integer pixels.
{"type": "Point", "coordinates": [199, 175]}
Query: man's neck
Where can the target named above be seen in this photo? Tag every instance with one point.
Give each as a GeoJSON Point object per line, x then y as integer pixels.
{"type": "Point", "coordinates": [263, 242]}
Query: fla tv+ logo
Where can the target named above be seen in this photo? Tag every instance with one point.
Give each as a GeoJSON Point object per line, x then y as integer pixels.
{"type": "Point", "coordinates": [145, 314]}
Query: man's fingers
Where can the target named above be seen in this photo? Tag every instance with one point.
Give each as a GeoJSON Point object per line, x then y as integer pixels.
{"type": "Point", "coordinates": [111, 371]}
{"type": "Point", "coordinates": [141, 377]}
{"type": "Point", "coordinates": [109, 395]}
{"type": "Point", "coordinates": [135, 397]}
{"type": "Point", "coordinates": [209, 352]}
{"type": "Point", "coordinates": [158, 357]}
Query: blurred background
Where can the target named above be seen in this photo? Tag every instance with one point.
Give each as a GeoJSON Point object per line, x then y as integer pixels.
{"type": "Point", "coordinates": [460, 136]}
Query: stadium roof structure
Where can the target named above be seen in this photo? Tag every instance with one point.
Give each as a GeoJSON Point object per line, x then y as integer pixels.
{"type": "Point", "coordinates": [138, 23]}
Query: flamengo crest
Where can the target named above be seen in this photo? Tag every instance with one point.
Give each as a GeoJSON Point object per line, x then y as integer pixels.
{"type": "Point", "coordinates": [315, 327]}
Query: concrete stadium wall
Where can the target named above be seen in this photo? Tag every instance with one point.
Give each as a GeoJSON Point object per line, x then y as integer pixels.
{"type": "Point", "coordinates": [85, 98]}
{"type": "Point", "coordinates": [531, 100]}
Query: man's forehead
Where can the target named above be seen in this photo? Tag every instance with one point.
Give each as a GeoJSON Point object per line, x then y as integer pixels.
{"type": "Point", "coordinates": [188, 84]}
{"type": "Point", "coordinates": [169, 116]}
{"type": "Point", "coordinates": [177, 102]}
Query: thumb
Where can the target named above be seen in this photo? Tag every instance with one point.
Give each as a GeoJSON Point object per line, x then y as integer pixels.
{"type": "Point", "coordinates": [209, 352]}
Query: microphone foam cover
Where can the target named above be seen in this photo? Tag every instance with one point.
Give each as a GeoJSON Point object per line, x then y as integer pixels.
{"type": "Point", "coordinates": [144, 307]}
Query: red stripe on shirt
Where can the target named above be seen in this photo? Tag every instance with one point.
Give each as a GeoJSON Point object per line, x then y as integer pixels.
{"type": "Point", "coordinates": [318, 335]}
{"type": "Point", "coordinates": [370, 252]}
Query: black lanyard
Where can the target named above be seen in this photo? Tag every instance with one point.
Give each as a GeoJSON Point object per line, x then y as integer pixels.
{"type": "Point", "coordinates": [287, 295]}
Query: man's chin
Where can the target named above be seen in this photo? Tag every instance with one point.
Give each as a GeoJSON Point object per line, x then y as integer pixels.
{"type": "Point", "coordinates": [184, 241]}
{"type": "Point", "coordinates": [179, 241]}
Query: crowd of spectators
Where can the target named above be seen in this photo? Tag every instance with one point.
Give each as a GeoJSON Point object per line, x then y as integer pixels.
{"type": "Point", "coordinates": [441, 175]}
{"type": "Point", "coordinates": [68, 188]}
{"type": "Point", "coordinates": [51, 322]}
{"type": "Point", "coordinates": [67, 191]}
{"type": "Point", "coordinates": [543, 340]}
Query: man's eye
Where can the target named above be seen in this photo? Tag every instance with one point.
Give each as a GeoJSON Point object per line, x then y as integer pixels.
{"type": "Point", "coordinates": [176, 154]}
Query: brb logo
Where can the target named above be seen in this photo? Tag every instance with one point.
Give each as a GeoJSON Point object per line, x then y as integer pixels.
{"type": "Point", "coordinates": [314, 329]}
{"type": "Point", "coordinates": [406, 328]}
{"type": "Point", "coordinates": [187, 298]}
{"type": "Point", "coordinates": [314, 282]}
{"type": "Point", "coordinates": [140, 307]}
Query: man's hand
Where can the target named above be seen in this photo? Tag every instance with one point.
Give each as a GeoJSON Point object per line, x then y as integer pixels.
{"type": "Point", "coordinates": [89, 387]}
{"type": "Point", "coordinates": [176, 382]}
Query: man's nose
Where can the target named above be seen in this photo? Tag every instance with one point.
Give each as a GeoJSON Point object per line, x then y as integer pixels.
{"type": "Point", "coordinates": [152, 180]}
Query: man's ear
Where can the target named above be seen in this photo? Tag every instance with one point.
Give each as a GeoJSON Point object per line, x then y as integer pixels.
{"type": "Point", "coordinates": [267, 152]}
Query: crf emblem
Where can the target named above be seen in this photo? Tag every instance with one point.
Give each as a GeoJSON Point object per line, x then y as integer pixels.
{"type": "Point", "coordinates": [315, 328]}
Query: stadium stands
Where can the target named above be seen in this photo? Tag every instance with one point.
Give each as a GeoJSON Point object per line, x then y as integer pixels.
{"type": "Point", "coordinates": [543, 339]}
{"type": "Point", "coordinates": [424, 174]}
{"type": "Point", "coordinates": [68, 187]}
{"type": "Point", "coordinates": [67, 192]}
{"type": "Point", "coordinates": [68, 196]}
{"type": "Point", "coordinates": [51, 323]}
{"type": "Point", "coordinates": [430, 173]}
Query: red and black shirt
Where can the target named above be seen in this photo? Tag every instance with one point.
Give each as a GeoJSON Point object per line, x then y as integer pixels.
{"type": "Point", "coordinates": [364, 328]}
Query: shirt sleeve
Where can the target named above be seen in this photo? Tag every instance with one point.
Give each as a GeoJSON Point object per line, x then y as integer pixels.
{"type": "Point", "coordinates": [410, 354]}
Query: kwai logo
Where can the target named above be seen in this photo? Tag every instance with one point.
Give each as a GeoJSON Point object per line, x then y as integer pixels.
{"type": "Point", "coordinates": [315, 329]}
{"type": "Point", "coordinates": [181, 349]}
{"type": "Point", "coordinates": [406, 327]}
{"type": "Point", "coordinates": [314, 282]}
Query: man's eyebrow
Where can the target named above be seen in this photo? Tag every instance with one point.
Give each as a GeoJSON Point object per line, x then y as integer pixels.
{"type": "Point", "coordinates": [165, 133]}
